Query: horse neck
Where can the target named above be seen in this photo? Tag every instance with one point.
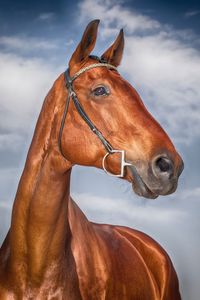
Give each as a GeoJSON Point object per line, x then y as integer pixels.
{"type": "Point", "coordinates": [39, 227]}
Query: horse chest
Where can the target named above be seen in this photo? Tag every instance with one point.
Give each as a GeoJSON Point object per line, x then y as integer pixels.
{"type": "Point", "coordinates": [46, 291]}
{"type": "Point", "coordinates": [58, 282]}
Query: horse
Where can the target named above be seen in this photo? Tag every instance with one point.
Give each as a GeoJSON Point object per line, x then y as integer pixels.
{"type": "Point", "coordinates": [90, 117]}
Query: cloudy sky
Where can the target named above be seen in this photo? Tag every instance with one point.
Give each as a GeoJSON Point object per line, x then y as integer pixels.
{"type": "Point", "coordinates": [161, 59]}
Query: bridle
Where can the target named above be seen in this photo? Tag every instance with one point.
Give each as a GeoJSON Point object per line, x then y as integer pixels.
{"type": "Point", "coordinates": [72, 94]}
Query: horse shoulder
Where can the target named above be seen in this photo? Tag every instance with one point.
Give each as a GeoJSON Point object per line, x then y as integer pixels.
{"type": "Point", "coordinates": [129, 276]}
{"type": "Point", "coordinates": [157, 261]}
{"type": "Point", "coordinates": [117, 262]}
{"type": "Point", "coordinates": [107, 264]}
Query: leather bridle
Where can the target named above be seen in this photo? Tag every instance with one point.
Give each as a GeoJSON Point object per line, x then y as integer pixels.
{"type": "Point", "coordinates": [72, 94]}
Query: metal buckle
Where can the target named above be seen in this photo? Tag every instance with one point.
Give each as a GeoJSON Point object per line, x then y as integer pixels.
{"type": "Point", "coordinates": [123, 163]}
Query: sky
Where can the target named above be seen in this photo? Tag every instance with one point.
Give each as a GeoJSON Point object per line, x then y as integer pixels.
{"type": "Point", "coordinates": [161, 60]}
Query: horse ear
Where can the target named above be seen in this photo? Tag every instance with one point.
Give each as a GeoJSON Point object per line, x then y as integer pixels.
{"type": "Point", "coordinates": [114, 54]}
{"type": "Point", "coordinates": [86, 44]}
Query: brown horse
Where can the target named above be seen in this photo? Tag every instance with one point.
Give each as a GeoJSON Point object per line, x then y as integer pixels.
{"type": "Point", "coordinates": [51, 250]}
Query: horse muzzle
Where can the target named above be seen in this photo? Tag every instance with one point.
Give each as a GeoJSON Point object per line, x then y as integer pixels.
{"type": "Point", "coordinates": [159, 177]}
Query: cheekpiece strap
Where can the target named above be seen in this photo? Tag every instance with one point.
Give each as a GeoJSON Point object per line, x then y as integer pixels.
{"type": "Point", "coordinates": [71, 93]}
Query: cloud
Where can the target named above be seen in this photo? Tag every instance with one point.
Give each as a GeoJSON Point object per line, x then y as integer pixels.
{"type": "Point", "coordinates": [112, 13]}
{"type": "Point", "coordinates": [98, 210]}
{"type": "Point", "coordinates": [26, 43]}
{"type": "Point", "coordinates": [46, 16]}
{"type": "Point", "coordinates": [5, 205]}
{"type": "Point", "coordinates": [166, 73]}
{"type": "Point", "coordinates": [192, 13]}
{"type": "Point", "coordinates": [10, 140]}
{"type": "Point", "coordinates": [162, 64]}
{"type": "Point", "coordinates": [24, 84]}
{"type": "Point", "coordinates": [5, 214]}
{"type": "Point", "coordinates": [69, 43]}
{"type": "Point", "coordinates": [129, 209]}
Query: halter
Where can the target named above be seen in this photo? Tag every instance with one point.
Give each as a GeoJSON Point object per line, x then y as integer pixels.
{"type": "Point", "coordinates": [84, 116]}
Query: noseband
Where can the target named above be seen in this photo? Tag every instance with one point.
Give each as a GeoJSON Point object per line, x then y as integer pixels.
{"type": "Point", "coordinates": [84, 116]}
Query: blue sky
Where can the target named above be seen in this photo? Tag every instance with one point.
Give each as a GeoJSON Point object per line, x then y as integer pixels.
{"type": "Point", "coordinates": [20, 14]}
{"type": "Point", "coordinates": [161, 59]}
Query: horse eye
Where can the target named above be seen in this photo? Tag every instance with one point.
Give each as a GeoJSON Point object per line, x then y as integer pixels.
{"type": "Point", "coordinates": [100, 91]}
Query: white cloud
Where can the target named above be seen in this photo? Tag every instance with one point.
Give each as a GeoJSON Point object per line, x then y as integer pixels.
{"type": "Point", "coordinates": [192, 13]}
{"type": "Point", "coordinates": [128, 211]}
{"type": "Point", "coordinates": [69, 43]}
{"type": "Point", "coordinates": [132, 210]}
{"type": "Point", "coordinates": [46, 16]}
{"type": "Point", "coordinates": [5, 205]}
{"type": "Point", "coordinates": [26, 43]}
{"type": "Point", "coordinates": [160, 62]}
{"type": "Point", "coordinates": [23, 86]}
{"type": "Point", "coordinates": [167, 73]}
{"type": "Point", "coordinates": [10, 140]}
{"type": "Point", "coordinates": [111, 13]}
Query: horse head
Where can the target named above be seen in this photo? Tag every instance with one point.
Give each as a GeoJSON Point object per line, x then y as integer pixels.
{"type": "Point", "coordinates": [117, 112]}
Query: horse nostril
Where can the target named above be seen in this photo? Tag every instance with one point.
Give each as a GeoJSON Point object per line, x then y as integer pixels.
{"type": "Point", "coordinates": [163, 166]}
